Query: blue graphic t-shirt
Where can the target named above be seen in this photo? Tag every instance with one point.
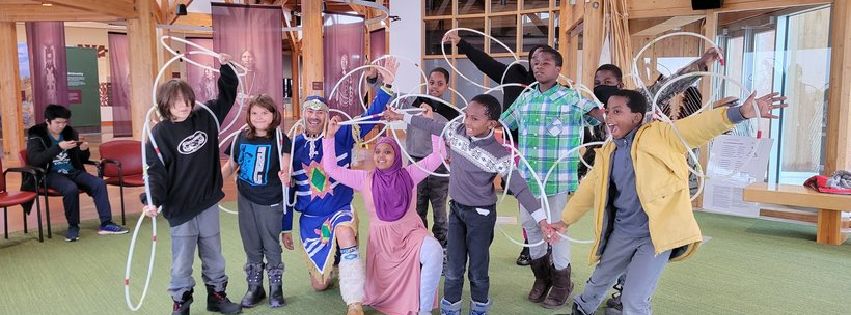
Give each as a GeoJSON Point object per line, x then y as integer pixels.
{"type": "Point", "coordinates": [61, 162]}
{"type": "Point", "coordinates": [259, 163]}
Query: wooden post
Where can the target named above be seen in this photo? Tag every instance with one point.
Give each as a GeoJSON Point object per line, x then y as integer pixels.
{"type": "Point", "coordinates": [10, 93]}
{"type": "Point", "coordinates": [592, 43]}
{"type": "Point", "coordinates": [838, 153]}
{"type": "Point", "coordinates": [296, 100]}
{"type": "Point", "coordinates": [710, 30]}
{"type": "Point", "coordinates": [141, 35]}
{"type": "Point", "coordinates": [564, 22]}
{"type": "Point", "coordinates": [313, 70]}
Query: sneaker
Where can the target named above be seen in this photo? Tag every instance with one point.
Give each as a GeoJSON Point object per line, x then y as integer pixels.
{"type": "Point", "coordinates": [523, 259]}
{"type": "Point", "coordinates": [111, 228]}
{"type": "Point", "coordinates": [73, 233]}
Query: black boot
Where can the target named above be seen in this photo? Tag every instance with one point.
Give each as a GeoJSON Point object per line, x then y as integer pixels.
{"type": "Point", "coordinates": [524, 259]}
{"type": "Point", "coordinates": [614, 305]}
{"type": "Point", "coordinates": [543, 279]}
{"type": "Point", "coordinates": [276, 290]}
{"type": "Point", "coordinates": [217, 301]}
{"type": "Point", "coordinates": [255, 293]}
{"type": "Point", "coordinates": [182, 307]}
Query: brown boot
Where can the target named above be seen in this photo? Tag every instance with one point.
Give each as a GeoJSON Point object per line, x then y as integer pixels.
{"type": "Point", "coordinates": [543, 279]}
{"type": "Point", "coordinates": [562, 287]}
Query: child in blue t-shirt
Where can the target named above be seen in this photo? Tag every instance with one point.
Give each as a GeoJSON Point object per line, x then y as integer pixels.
{"type": "Point", "coordinates": [260, 169]}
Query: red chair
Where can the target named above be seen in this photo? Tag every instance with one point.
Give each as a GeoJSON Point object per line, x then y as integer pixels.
{"type": "Point", "coordinates": [41, 176]}
{"type": "Point", "coordinates": [121, 165]}
{"type": "Point", "coordinates": [12, 198]}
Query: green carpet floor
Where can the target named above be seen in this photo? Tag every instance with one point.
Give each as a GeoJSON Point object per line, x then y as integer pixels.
{"type": "Point", "coordinates": [747, 267]}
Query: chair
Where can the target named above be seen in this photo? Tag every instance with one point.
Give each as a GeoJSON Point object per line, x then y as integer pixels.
{"type": "Point", "coordinates": [41, 176]}
{"type": "Point", "coordinates": [12, 198]}
{"type": "Point", "coordinates": [121, 165]}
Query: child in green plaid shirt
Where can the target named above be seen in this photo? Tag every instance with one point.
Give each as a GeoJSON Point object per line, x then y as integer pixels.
{"type": "Point", "coordinates": [550, 120]}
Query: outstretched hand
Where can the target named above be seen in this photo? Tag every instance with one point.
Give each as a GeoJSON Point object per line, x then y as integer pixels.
{"type": "Point", "coordinates": [451, 37]}
{"type": "Point", "coordinates": [764, 105]}
{"type": "Point", "coordinates": [390, 115]}
{"type": "Point", "coordinates": [332, 127]}
{"type": "Point", "coordinates": [389, 75]}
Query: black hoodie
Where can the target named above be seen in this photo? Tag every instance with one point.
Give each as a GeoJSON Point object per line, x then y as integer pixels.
{"type": "Point", "coordinates": [41, 151]}
{"type": "Point", "coordinates": [189, 180]}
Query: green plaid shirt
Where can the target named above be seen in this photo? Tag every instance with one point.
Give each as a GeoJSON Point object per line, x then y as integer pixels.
{"type": "Point", "coordinates": [550, 124]}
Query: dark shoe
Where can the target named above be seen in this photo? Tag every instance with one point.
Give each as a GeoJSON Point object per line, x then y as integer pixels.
{"type": "Point", "coordinates": [543, 281]}
{"type": "Point", "coordinates": [614, 305]}
{"type": "Point", "coordinates": [182, 307]}
{"type": "Point", "coordinates": [217, 301]}
{"type": "Point", "coordinates": [577, 311]}
{"type": "Point", "coordinates": [111, 228]}
{"type": "Point", "coordinates": [276, 291]}
{"type": "Point", "coordinates": [524, 259]}
{"type": "Point", "coordinates": [255, 293]}
{"type": "Point", "coordinates": [73, 233]}
{"type": "Point", "coordinates": [562, 287]}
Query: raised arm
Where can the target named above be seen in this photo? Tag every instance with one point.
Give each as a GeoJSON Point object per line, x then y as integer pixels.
{"type": "Point", "coordinates": [355, 179]}
{"type": "Point", "coordinates": [228, 82]}
{"type": "Point", "coordinates": [484, 62]}
{"type": "Point", "coordinates": [430, 162]}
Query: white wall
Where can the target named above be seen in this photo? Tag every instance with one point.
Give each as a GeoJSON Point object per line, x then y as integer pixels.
{"type": "Point", "coordinates": [406, 41]}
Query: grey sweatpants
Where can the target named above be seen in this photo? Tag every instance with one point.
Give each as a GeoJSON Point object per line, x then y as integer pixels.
{"type": "Point", "coordinates": [202, 232]}
{"type": "Point", "coordinates": [260, 227]}
{"type": "Point", "coordinates": [561, 250]}
{"type": "Point", "coordinates": [635, 258]}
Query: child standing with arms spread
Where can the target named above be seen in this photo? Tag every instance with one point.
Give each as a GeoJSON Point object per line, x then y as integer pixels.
{"type": "Point", "coordinates": [477, 158]}
{"type": "Point", "coordinates": [186, 181]}
{"type": "Point", "coordinates": [261, 170]}
{"type": "Point", "coordinates": [639, 192]}
{"type": "Point", "coordinates": [403, 261]}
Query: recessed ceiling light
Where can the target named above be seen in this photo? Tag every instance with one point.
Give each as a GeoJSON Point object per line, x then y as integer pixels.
{"type": "Point", "coordinates": [47, 4]}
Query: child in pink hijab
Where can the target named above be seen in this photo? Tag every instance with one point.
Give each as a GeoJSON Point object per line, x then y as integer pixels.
{"type": "Point", "coordinates": [404, 261]}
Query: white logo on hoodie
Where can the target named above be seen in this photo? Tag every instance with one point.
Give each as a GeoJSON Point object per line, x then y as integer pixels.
{"type": "Point", "coordinates": [192, 143]}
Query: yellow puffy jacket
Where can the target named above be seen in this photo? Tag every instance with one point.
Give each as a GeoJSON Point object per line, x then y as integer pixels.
{"type": "Point", "coordinates": [661, 181]}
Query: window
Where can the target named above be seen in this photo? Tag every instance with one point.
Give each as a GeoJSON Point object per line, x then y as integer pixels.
{"type": "Point", "coordinates": [503, 28]}
{"type": "Point", "coordinates": [536, 30]}
{"type": "Point", "coordinates": [437, 7]}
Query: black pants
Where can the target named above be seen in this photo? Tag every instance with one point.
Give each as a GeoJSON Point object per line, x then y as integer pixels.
{"type": "Point", "coordinates": [470, 235]}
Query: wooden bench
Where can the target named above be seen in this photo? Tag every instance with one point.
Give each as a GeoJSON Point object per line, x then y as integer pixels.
{"type": "Point", "coordinates": [830, 206]}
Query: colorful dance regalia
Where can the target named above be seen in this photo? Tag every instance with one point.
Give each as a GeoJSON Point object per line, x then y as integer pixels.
{"type": "Point", "coordinates": [325, 204]}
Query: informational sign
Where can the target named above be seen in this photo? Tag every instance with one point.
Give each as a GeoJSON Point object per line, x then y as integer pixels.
{"type": "Point", "coordinates": [734, 163]}
{"type": "Point", "coordinates": [83, 88]}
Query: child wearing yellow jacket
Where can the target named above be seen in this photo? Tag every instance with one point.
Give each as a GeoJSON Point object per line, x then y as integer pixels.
{"type": "Point", "coordinates": [643, 215]}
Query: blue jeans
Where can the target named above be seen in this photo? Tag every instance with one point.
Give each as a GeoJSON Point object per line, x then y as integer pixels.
{"type": "Point", "coordinates": [69, 185]}
{"type": "Point", "coordinates": [470, 235]}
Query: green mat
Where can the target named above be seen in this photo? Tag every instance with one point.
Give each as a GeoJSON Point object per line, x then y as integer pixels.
{"type": "Point", "coordinates": [748, 266]}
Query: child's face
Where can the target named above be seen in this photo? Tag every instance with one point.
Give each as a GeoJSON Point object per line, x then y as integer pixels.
{"type": "Point", "coordinates": [179, 109]}
{"type": "Point", "coordinates": [315, 120]}
{"type": "Point", "coordinates": [436, 84]}
{"type": "Point", "coordinates": [476, 120]}
{"type": "Point", "coordinates": [619, 118]}
{"type": "Point", "coordinates": [606, 77]}
{"type": "Point", "coordinates": [544, 67]}
{"type": "Point", "coordinates": [383, 156]}
{"type": "Point", "coordinates": [260, 118]}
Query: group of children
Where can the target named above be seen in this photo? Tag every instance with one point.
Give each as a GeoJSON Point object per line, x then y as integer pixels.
{"type": "Point", "coordinates": [643, 216]}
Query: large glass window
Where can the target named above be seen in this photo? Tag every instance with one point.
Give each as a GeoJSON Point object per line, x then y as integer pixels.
{"type": "Point", "coordinates": [788, 52]}
{"type": "Point", "coordinates": [536, 29]}
{"type": "Point", "coordinates": [434, 30]}
{"type": "Point", "coordinates": [474, 39]}
{"type": "Point", "coordinates": [503, 5]}
{"type": "Point", "coordinates": [471, 6]}
{"type": "Point", "coordinates": [437, 7]}
{"type": "Point", "coordinates": [504, 29]}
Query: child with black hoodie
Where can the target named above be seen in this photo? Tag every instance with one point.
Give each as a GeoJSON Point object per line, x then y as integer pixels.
{"type": "Point", "coordinates": [186, 182]}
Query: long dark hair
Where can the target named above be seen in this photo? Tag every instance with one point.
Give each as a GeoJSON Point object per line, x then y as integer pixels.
{"type": "Point", "coordinates": [266, 102]}
{"type": "Point", "coordinates": [167, 92]}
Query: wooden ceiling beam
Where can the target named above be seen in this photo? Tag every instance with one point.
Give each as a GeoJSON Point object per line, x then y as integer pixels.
{"type": "Point", "coordinates": [116, 8]}
{"type": "Point", "coordinates": [40, 13]}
